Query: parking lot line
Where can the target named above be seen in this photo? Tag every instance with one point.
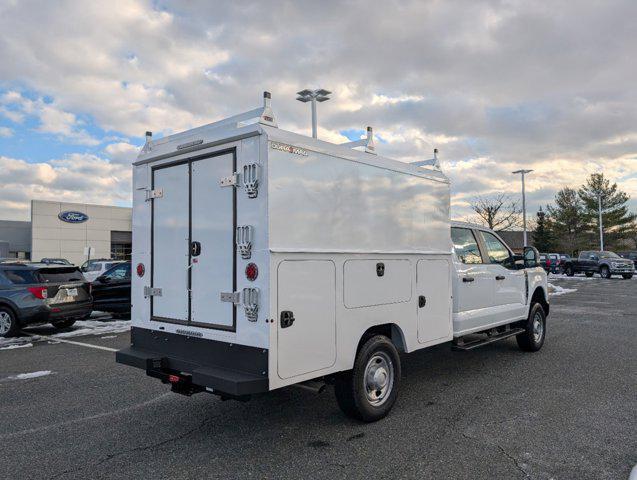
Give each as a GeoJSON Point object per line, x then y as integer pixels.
{"type": "Point", "coordinates": [81, 344]}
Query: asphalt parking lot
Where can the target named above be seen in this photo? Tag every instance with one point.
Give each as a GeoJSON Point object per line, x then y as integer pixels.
{"type": "Point", "coordinates": [567, 412]}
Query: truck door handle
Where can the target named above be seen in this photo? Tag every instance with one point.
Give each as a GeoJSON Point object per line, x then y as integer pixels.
{"type": "Point", "coordinates": [195, 249]}
{"type": "Point", "coordinates": [287, 318]}
{"type": "Point", "coordinates": [500, 277]}
{"type": "Point", "coordinates": [468, 279]}
{"type": "Point", "coordinates": [422, 301]}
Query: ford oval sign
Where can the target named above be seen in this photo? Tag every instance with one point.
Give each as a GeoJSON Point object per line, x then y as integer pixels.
{"type": "Point", "coordinates": [73, 217]}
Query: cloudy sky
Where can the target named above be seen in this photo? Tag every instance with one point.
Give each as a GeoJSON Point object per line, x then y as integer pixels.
{"type": "Point", "coordinates": [494, 85]}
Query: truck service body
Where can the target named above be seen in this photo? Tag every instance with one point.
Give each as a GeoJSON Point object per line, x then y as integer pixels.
{"type": "Point", "coordinates": [265, 258]}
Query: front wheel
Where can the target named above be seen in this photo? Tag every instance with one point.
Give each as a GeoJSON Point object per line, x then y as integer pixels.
{"type": "Point", "coordinates": [369, 390]}
{"type": "Point", "coordinates": [627, 276]}
{"type": "Point", "coordinates": [604, 271]}
{"type": "Point", "coordinates": [588, 274]}
{"type": "Point", "coordinates": [569, 271]}
{"type": "Point", "coordinates": [532, 339]}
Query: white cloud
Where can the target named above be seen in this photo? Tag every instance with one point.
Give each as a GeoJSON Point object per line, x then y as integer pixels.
{"type": "Point", "coordinates": [495, 85]}
{"type": "Point", "coordinates": [74, 178]}
{"type": "Point", "coordinates": [6, 132]}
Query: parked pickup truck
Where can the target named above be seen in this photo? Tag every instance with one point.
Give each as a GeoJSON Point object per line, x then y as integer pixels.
{"type": "Point", "coordinates": [604, 263]}
{"type": "Point", "coordinates": [265, 259]}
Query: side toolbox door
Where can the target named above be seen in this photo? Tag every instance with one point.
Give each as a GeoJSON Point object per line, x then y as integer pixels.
{"type": "Point", "coordinates": [306, 323]}
{"type": "Point", "coordinates": [433, 285]}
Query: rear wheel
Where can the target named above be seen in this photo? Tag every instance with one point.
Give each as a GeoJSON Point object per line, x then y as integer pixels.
{"type": "Point", "coordinates": [569, 271]}
{"type": "Point", "coordinates": [627, 276]}
{"type": "Point", "coordinates": [369, 390]}
{"type": "Point", "coordinates": [604, 271]}
{"type": "Point", "coordinates": [588, 274]}
{"type": "Point", "coordinates": [62, 324]}
{"type": "Point", "coordinates": [532, 339]}
{"type": "Point", "coordinates": [8, 323]}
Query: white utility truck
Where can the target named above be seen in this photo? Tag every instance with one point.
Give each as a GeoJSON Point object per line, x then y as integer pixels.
{"type": "Point", "coordinates": [266, 259]}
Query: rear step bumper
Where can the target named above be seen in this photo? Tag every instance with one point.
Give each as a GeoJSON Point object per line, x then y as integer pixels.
{"type": "Point", "coordinates": [235, 370]}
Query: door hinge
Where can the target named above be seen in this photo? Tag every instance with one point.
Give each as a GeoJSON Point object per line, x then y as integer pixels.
{"type": "Point", "coordinates": [152, 292]}
{"type": "Point", "coordinates": [231, 297]}
{"type": "Point", "coordinates": [231, 181]}
{"type": "Point", "coordinates": [157, 193]}
{"type": "Point", "coordinates": [243, 237]}
{"type": "Point", "coordinates": [251, 303]}
{"type": "Point", "coordinates": [251, 179]}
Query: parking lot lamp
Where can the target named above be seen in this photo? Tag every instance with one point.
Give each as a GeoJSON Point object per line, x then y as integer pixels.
{"type": "Point", "coordinates": [601, 227]}
{"type": "Point", "coordinates": [523, 172]}
{"type": "Point", "coordinates": [319, 95]}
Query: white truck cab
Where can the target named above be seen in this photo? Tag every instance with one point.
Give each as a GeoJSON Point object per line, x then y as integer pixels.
{"type": "Point", "coordinates": [266, 259]}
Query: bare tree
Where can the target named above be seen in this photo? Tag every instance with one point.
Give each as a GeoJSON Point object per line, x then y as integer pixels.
{"type": "Point", "coordinates": [498, 212]}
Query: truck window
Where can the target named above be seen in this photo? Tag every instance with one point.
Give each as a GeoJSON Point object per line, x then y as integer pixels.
{"type": "Point", "coordinates": [496, 250]}
{"type": "Point", "coordinates": [465, 245]}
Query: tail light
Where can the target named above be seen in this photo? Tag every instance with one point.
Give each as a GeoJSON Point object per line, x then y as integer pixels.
{"type": "Point", "coordinates": [252, 272]}
{"type": "Point", "coordinates": [548, 262]}
{"type": "Point", "coordinates": [39, 292]}
{"type": "Point", "coordinates": [140, 269]}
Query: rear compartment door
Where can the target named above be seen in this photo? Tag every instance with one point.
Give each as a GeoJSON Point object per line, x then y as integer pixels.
{"type": "Point", "coordinates": [212, 226]}
{"type": "Point", "coordinates": [170, 243]}
{"type": "Point", "coordinates": [193, 248]}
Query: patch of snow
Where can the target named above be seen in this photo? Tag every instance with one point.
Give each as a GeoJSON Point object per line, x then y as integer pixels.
{"type": "Point", "coordinates": [556, 290]}
{"type": "Point", "coordinates": [25, 376]}
{"type": "Point", "coordinates": [17, 345]}
{"type": "Point", "coordinates": [95, 327]}
{"type": "Point", "coordinates": [13, 342]}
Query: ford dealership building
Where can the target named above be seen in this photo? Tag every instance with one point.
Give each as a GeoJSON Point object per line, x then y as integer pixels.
{"type": "Point", "coordinates": [65, 230]}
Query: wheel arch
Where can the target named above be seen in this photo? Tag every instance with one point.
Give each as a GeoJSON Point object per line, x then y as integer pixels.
{"type": "Point", "coordinates": [540, 296]}
{"type": "Point", "coordinates": [389, 330]}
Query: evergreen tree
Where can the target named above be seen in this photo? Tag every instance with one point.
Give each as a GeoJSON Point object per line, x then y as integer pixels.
{"type": "Point", "coordinates": [567, 221]}
{"type": "Point", "coordinates": [617, 221]}
{"type": "Point", "coordinates": [543, 238]}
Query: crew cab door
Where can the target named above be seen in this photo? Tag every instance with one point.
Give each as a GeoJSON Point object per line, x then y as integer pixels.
{"type": "Point", "coordinates": [510, 284]}
{"type": "Point", "coordinates": [473, 283]}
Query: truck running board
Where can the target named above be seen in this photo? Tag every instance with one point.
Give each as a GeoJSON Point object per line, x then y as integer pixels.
{"type": "Point", "coordinates": [460, 344]}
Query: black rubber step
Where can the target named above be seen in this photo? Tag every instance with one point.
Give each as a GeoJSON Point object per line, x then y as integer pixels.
{"type": "Point", "coordinates": [481, 342]}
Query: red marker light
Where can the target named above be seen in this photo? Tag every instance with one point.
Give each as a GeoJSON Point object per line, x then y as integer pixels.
{"type": "Point", "coordinates": [39, 292]}
{"type": "Point", "coordinates": [140, 269]}
{"type": "Point", "coordinates": [252, 272]}
{"type": "Point", "coordinates": [173, 378]}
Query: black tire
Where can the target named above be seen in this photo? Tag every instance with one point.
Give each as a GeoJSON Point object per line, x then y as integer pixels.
{"type": "Point", "coordinates": [589, 274]}
{"type": "Point", "coordinates": [604, 271]}
{"type": "Point", "coordinates": [351, 388]}
{"type": "Point", "coordinates": [627, 276]}
{"type": "Point", "coordinates": [62, 324]}
{"type": "Point", "coordinates": [9, 326]}
{"type": "Point", "coordinates": [529, 340]}
{"type": "Point", "coordinates": [569, 271]}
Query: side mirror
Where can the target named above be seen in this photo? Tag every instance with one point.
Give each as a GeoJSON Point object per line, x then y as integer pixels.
{"type": "Point", "coordinates": [531, 256]}
{"type": "Point", "coordinates": [103, 279]}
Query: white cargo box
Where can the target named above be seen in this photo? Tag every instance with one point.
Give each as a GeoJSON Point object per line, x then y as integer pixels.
{"type": "Point", "coordinates": [343, 241]}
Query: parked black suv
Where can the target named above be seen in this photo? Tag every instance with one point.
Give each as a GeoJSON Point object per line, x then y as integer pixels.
{"type": "Point", "coordinates": [630, 256]}
{"type": "Point", "coordinates": [38, 293]}
{"type": "Point", "coordinates": [111, 291]}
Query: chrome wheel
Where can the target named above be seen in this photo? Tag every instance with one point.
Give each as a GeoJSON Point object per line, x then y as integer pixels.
{"type": "Point", "coordinates": [379, 378]}
{"type": "Point", "coordinates": [538, 327]}
{"type": "Point", "coordinates": [5, 323]}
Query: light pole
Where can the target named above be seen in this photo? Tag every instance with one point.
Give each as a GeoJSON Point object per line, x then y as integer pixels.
{"type": "Point", "coordinates": [319, 95]}
{"type": "Point", "coordinates": [601, 227]}
{"type": "Point", "coordinates": [523, 172]}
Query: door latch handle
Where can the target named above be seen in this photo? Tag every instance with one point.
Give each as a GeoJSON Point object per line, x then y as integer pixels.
{"type": "Point", "coordinates": [422, 301]}
{"type": "Point", "coordinates": [287, 318]}
{"type": "Point", "coordinates": [195, 249]}
{"type": "Point", "coordinates": [468, 279]}
{"type": "Point", "coordinates": [500, 277]}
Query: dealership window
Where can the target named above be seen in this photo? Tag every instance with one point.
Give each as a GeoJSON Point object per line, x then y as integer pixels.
{"type": "Point", "coordinates": [121, 245]}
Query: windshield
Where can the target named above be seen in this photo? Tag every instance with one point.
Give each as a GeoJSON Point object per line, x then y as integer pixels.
{"type": "Point", "coordinates": [608, 255]}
